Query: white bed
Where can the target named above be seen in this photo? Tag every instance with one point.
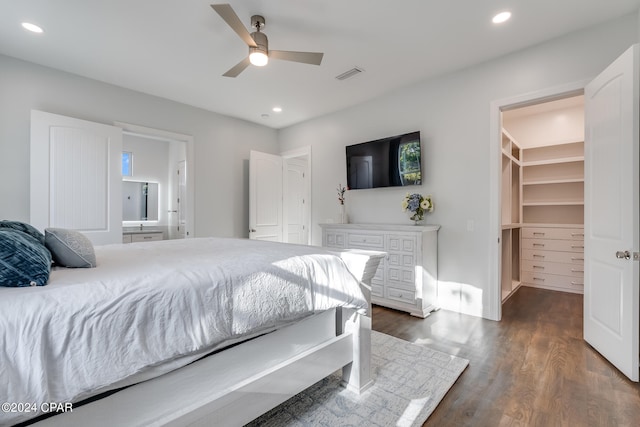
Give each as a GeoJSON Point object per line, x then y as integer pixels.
{"type": "Point", "coordinates": [152, 308]}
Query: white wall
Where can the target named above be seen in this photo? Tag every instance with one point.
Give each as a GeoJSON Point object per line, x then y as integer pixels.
{"type": "Point", "coordinates": [221, 148]}
{"type": "Point", "coordinates": [453, 114]}
{"type": "Point", "coordinates": [546, 128]}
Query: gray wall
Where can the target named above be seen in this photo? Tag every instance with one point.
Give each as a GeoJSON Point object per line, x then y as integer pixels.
{"type": "Point", "coordinates": [453, 114]}
{"type": "Point", "coordinates": [221, 148]}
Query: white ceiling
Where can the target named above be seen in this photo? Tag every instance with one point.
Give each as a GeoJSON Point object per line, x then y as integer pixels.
{"type": "Point", "coordinates": [179, 49]}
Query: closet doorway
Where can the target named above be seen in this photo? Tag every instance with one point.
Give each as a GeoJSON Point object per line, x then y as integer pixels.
{"type": "Point", "coordinates": [542, 196]}
{"type": "Point", "coordinates": [610, 236]}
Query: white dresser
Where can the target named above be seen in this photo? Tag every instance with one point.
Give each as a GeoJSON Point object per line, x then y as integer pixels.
{"type": "Point", "coordinates": [553, 258]}
{"type": "Point", "coordinates": [407, 279]}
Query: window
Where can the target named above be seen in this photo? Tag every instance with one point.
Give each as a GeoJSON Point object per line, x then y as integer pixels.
{"type": "Point", "coordinates": [409, 163]}
{"type": "Point", "coordinates": [127, 157]}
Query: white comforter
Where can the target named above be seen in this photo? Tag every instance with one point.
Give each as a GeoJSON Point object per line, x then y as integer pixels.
{"type": "Point", "coordinates": [150, 303]}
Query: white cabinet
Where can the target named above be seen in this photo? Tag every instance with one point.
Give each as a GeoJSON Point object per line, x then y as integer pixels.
{"type": "Point", "coordinates": [553, 258]}
{"type": "Point", "coordinates": [407, 278]}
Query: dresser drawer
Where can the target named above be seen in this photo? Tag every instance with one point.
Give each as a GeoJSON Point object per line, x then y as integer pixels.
{"type": "Point", "coordinates": [553, 281]}
{"type": "Point", "coordinates": [553, 233]}
{"type": "Point", "coordinates": [377, 290]}
{"type": "Point", "coordinates": [404, 277]}
{"type": "Point", "coordinates": [553, 245]}
{"type": "Point", "coordinates": [334, 239]}
{"type": "Point", "coordinates": [396, 259]}
{"type": "Point", "coordinates": [365, 241]}
{"type": "Point", "coordinates": [554, 256]}
{"type": "Point", "coordinates": [553, 268]}
{"type": "Point", "coordinates": [402, 295]}
{"type": "Point", "coordinates": [146, 237]}
{"type": "Point", "coordinates": [401, 244]}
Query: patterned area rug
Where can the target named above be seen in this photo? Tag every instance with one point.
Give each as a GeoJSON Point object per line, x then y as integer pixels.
{"type": "Point", "coordinates": [410, 381]}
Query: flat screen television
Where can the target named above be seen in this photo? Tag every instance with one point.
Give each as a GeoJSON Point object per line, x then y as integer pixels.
{"type": "Point", "coordinates": [388, 162]}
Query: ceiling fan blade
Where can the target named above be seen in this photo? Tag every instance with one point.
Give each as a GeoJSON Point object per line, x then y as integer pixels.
{"type": "Point", "coordinates": [226, 12]}
{"type": "Point", "coordinates": [313, 58]}
{"type": "Point", "coordinates": [238, 68]}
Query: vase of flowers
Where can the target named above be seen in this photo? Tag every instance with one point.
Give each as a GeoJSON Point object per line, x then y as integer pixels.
{"type": "Point", "coordinates": [417, 205]}
{"type": "Point", "coordinates": [341, 199]}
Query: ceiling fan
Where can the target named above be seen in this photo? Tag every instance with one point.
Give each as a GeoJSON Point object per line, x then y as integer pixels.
{"type": "Point", "coordinates": [258, 43]}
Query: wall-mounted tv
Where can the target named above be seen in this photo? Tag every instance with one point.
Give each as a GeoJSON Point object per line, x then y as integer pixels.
{"type": "Point", "coordinates": [389, 162]}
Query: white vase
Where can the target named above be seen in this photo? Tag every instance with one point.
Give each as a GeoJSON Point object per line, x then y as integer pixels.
{"type": "Point", "coordinates": [343, 215]}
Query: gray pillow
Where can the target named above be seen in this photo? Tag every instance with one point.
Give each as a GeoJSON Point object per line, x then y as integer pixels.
{"type": "Point", "coordinates": [69, 248]}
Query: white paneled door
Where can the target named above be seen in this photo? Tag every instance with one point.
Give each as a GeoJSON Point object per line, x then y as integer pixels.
{"type": "Point", "coordinates": [265, 196]}
{"type": "Point", "coordinates": [76, 179]}
{"type": "Point", "coordinates": [295, 203]}
{"type": "Point", "coordinates": [611, 297]}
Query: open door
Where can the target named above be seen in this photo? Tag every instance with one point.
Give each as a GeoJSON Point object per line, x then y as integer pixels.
{"type": "Point", "coordinates": [265, 196]}
{"type": "Point", "coordinates": [76, 176]}
{"type": "Point", "coordinates": [611, 297]}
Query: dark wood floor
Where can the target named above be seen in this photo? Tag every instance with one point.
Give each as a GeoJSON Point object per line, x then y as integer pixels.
{"type": "Point", "coordinates": [531, 369]}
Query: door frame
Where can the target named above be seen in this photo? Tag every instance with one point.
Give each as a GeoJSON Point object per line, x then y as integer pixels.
{"type": "Point", "coordinates": [163, 135]}
{"type": "Point", "coordinates": [494, 298]}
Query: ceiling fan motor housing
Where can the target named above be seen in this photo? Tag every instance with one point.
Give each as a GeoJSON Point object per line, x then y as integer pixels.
{"type": "Point", "coordinates": [262, 42]}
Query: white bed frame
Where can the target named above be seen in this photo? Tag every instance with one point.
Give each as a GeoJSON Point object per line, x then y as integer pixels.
{"type": "Point", "coordinates": [241, 383]}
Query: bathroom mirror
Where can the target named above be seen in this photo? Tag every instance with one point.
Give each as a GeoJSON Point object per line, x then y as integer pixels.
{"type": "Point", "coordinates": [139, 201]}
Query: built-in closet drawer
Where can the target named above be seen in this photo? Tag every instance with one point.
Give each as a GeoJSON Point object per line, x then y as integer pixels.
{"type": "Point", "coordinates": [547, 267]}
{"type": "Point", "coordinates": [552, 233]}
{"type": "Point", "coordinates": [554, 281]}
{"type": "Point", "coordinates": [553, 245]}
{"type": "Point", "coordinates": [555, 256]}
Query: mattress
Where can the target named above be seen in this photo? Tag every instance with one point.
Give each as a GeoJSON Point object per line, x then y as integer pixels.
{"type": "Point", "coordinates": [155, 306]}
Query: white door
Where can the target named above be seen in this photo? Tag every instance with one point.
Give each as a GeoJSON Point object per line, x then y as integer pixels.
{"type": "Point", "coordinates": [265, 196]}
{"type": "Point", "coordinates": [295, 203]}
{"type": "Point", "coordinates": [611, 298]}
{"type": "Point", "coordinates": [76, 176]}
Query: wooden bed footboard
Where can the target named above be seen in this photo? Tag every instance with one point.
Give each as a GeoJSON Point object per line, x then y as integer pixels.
{"type": "Point", "coordinates": [241, 383]}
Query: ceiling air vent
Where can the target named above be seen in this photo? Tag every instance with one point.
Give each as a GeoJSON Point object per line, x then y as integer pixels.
{"type": "Point", "coordinates": [350, 73]}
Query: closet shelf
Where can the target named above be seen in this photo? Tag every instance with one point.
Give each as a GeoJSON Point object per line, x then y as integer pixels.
{"type": "Point", "coordinates": [553, 161]}
{"type": "Point", "coordinates": [553, 181]}
{"type": "Point", "coordinates": [555, 203]}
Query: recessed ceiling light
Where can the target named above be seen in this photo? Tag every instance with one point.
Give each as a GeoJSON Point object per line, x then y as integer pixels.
{"type": "Point", "coordinates": [501, 17]}
{"type": "Point", "coordinates": [277, 109]}
{"type": "Point", "coordinates": [31, 27]}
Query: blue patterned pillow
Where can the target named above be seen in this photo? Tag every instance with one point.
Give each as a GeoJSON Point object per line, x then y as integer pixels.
{"type": "Point", "coordinates": [23, 260]}
{"type": "Point", "coordinates": [24, 227]}
{"type": "Point", "coordinates": [70, 248]}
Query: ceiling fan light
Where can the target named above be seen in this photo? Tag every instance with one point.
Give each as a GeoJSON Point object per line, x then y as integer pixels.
{"type": "Point", "coordinates": [258, 57]}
